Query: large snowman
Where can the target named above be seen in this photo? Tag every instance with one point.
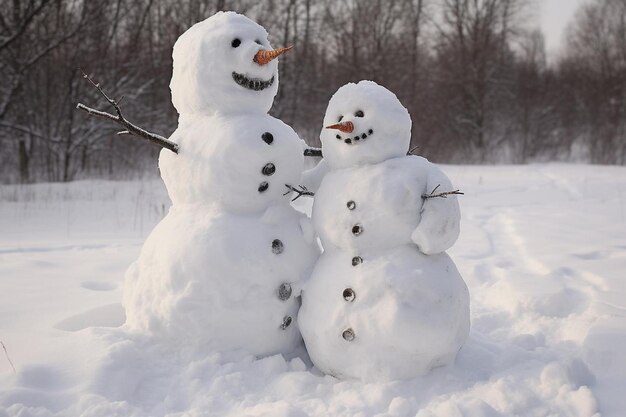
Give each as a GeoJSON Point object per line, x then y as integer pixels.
{"type": "Point", "coordinates": [221, 271]}
{"type": "Point", "coordinates": [384, 300]}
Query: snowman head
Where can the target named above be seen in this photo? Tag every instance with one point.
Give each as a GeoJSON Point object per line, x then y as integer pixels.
{"type": "Point", "coordinates": [224, 64]}
{"type": "Point", "coordinates": [364, 124]}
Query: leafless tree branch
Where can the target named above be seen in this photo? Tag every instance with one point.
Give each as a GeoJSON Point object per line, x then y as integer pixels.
{"type": "Point", "coordinates": [121, 120]}
{"type": "Point", "coordinates": [23, 25]}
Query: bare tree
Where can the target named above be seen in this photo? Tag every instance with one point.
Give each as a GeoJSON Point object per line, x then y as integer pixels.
{"type": "Point", "coordinates": [475, 58]}
{"type": "Point", "coordinates": [475, 80]}
{"type": "Point", "coordinates": [597, 49]}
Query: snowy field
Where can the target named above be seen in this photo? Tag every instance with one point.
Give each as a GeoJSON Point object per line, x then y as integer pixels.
{"type": "Point", "coordinates": [542, 249]}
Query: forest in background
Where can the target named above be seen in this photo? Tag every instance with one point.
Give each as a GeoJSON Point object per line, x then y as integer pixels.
{"type": "Point", "coordinates": [473, 74]}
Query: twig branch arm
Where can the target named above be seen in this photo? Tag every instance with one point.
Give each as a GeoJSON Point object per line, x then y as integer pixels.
{"type": "Point", "coordinates": [442, 195]}
{"type": "Point", "coordinates": [303, 191]}
{"type": "Point", "coordinates": [6, 353]}
{"type": "Point", "coordinates": [317, 152]}
{"type": "Point", "coordinates": [130, 128]}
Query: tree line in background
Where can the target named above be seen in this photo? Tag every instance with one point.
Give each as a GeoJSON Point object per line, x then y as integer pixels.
{"type": "Point", "coordinates": [474, 77]}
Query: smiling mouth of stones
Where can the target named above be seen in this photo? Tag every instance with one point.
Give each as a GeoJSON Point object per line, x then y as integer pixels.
{"type": "Point", "coordinates": [354, 140]}
{"type": "Point", "coordinates": [252, 84]}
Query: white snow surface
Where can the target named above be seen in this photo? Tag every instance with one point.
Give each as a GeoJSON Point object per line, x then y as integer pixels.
{"type": "Point", "coordinates": [542, 249]}
{"type": "Point", "coordinates": [205, 60]}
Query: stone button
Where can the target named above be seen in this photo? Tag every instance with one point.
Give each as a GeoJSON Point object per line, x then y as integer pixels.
{"type": "Point", "coordinates": [269, 169]}
{"type": "Point", "coordinates": [357, 229]}
{"type": "Point", "coordinates": [349, 295]}
{"type": "Point", "coordinates": [284, 291]}
{"type": "Point", "coordinates": [348, 335]}
{"type": "Point", "coordinates": [351, 205]}
{"type": "Point", "coordinates": [357, 260]}
{"type": "Point", "coordinates": [286, 322]}
{"type": "Point", "coordinates": [263, 186]}
{"type": "Point", "coordinates": [277, 246]}
{"type": "Point", "coordinates": [267, 138]}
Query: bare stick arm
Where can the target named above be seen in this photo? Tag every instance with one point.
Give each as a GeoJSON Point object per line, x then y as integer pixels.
{"type": "Point", "coordinates": [442, 195]}
{"type": "Point", "coordinates": [130, 128]}
{"type": "Point", "coordinates": [313, 152]}
{"type": "Point", "coordinates": [303, 191]}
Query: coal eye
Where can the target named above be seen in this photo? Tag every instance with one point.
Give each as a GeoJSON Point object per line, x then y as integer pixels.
{"type": "Point", "coordinates": [259, 42]}
{"type": "Point", "coordinates": [340, 117]}
{"type": "Point", "coordinates": [235, 43]}
{"type": "Point", "coordinates": [359, 113]}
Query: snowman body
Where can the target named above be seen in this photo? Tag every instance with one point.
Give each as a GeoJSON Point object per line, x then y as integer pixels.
{"type": "Point", "coordinates": [384, 301]}
{"type": "Point", "coordinates": [222, 270]}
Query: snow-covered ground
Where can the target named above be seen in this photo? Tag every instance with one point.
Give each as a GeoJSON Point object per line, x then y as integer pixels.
{"type": "Point", "coordinates": [542, 249]}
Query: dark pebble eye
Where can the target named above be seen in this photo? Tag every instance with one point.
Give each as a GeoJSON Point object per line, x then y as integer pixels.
{"type": "Point", "coordinates": [359, 113]}
{"type": "Point", "coordinates": [340, 118]}
{"type": "Point", "coordinates": [235, 43]}
{"type": "Point", "coordinates": [258, 41]}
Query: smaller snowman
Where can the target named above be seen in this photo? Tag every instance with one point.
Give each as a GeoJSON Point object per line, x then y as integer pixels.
{"type": "Point", "coordinates": [384, 300]}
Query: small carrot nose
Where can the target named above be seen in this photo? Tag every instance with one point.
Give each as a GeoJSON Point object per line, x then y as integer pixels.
{"type": "Point", "coordinates": [345, 127]}
{"type": "Point", "coordinates": [263, 57]}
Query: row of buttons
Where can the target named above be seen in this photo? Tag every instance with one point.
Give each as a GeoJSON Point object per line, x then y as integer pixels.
{"type": "Point", "coordinates": [269, 168]}
{"type": "Point", "coordinates": [348, 294]}
{"type": "Point", "coordinates": [284, 290]}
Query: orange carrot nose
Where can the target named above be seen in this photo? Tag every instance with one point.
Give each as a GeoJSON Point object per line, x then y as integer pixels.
{"type": "Point", "coordinates": [345, 127]}
{"type": "Point", "coordinates": [263, 57]}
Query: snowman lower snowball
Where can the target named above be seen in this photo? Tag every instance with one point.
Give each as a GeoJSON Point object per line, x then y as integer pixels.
{"type": "Point", "coordinates": [221, 271]}
{"type": "Point", "coordinates": [384, 300]}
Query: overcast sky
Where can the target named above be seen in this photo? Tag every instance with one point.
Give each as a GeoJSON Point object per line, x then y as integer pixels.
{"type": "Point", "coordinates": [554, 17]}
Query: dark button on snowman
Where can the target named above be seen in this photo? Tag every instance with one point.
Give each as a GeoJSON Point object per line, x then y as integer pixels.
{"type": "Point", "coordinates": [284, 291]}
{"type": "Point", "coordinates": [349, 295]}
{"type": "Point", "coordinates": [213, 275]}
{"type": "Point", "coordinates": [412, 309]}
